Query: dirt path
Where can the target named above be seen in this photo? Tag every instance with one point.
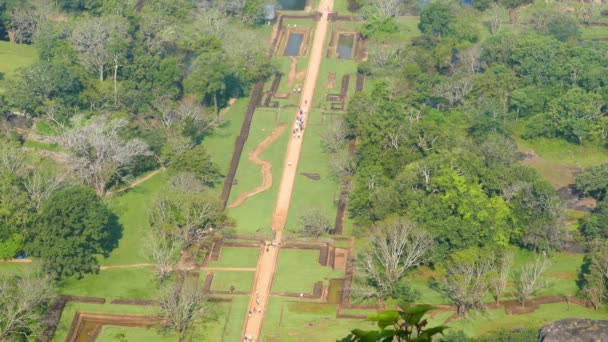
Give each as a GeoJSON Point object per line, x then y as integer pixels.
{"type": "Point", "coordinates": [233, 269]}
{"type": "Point", "coordinates": [266, 169]}
{"type": "Point", "coordinates": [136, 183]}
{"type": "Point", "coordinates": [268, 260]}
{"type": "Point", "coordinates": [124, 266]}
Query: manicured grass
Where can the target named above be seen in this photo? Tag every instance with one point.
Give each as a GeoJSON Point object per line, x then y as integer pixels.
{"type": "Point", "coordinates": [14, 56]}
{"type": "Point", "coordinates": [241, 280]}
{"type": "Point", "coordinates": [288, 320]}
{"type": "Point", "coordinates": [67, 316]}
{"type": "Point", "coordinates": [310, 193]}
{"type": "Point", "coordinates": [298, 271]}
{"type": "Point", "coordinates": [255, 214]}
{"type": "Point", "coordinates": [220, 141]}
{"type": "Point", "coordinates": [132, 334]}
{"type": "Point", "coordinates": [132, 207]}
{"type": "Point", "coordinates": [479, 323]}
{"type": "Point", "coordinates": [227, 322]}
{"type": "Point", "coordinates": [124, 283]}
{"type": "Point", "coordinates": [237, 257]}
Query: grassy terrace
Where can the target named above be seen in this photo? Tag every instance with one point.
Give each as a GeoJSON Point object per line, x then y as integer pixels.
{"type": "Point", "coordinates": [237, 257]}
{"type": "Point", "coordinates": [298, 271]}
{"type": "Point", "coordinates": [13, 57]}
{"type": "Point", "coordinates": [255, 214]}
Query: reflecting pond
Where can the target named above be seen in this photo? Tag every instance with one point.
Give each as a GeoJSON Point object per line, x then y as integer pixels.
{"type": "Point", "coordinates": [293, 44]}
{"type": "Point", "coordinates": [292, 4]}
{"type": "Point", "coordinates": [345, 46]}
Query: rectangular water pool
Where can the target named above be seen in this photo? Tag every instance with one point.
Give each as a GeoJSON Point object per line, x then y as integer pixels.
{"type": "Point", "coordinates": [345, 46]}
{"type": "Point", "coordinates": [293, 44]}
{"type": "Point", "coordinates": [292, 5]}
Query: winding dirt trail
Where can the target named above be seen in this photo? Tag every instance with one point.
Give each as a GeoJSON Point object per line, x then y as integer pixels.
{"type": "Point", "coordinates": [267, 263]}
{"type": "Point", "coordinates": [266, 167]}
{"type": "Point", "coordinates": [136, 183]}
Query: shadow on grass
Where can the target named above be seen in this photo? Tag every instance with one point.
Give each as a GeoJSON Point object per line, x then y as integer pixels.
{"type": "Point", "coordinates": [114, 235]}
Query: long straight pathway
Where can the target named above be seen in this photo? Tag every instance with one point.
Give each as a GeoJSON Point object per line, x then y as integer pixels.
{"type": "Point", "coordinates": [267, 264]}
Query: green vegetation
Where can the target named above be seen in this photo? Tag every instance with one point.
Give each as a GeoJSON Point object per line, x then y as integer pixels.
{"type": "Point", "coordinates": [118, 283]}
{"type": "Point", "coordinates": [113, 334]}
{"type": "Point", "coordinates": [12, 57]}
{"type": "Point", "coordinates": [237, 257]}
{"type": "Point", "coordinates": [298, 271]}
{"type": "Point", "coordinates": [225, 280]}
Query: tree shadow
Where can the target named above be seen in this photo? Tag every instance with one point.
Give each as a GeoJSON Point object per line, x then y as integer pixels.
{"type": "Point", "coordinates": [114, 229]}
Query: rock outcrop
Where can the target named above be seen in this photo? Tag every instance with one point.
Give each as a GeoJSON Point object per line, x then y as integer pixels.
{"type": "Point", "coordinates": [575, 330]}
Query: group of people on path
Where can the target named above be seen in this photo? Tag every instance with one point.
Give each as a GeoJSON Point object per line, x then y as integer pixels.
{"type": "Point", "coordinates": [298, 126]}
{"type": "Point", "coordinates": [253, 311]}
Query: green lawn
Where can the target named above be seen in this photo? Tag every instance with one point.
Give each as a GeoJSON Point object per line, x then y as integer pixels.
{"type": "Point", "coordinates": [558, 159]}
{"type": "Point", "coordinates": [229, 321]}
{"type": "Point", "coordinates": [42, 146]}
{"type": "Point", "coordinates": [14, 267]}
{"type": "Point", "coordinates": [255, 214]}
{"type": "Point", "coordinates": [223, 280]}
{"type": "Point", "coordinates": [288, 320]}
{"type": "Point", "coordinates": [298, 271]}
{"type": "Point", "coordinates": [14, 56]}
{"type": "Point", "coordinates": [237, 257]}
{"type": "Point", "coordinates": [220, 142]}
{"type": "Point", "coordinates": [310, 193]}
{"type": "Point", "coordinates": [482, 322]}
{"type": "Point", "coordinates": [131, 334]}
{"type": "Point", "coordinates": [124, 283]}
{"type": "Point", "coordinates": [67, 316]}
{"type": "Point", "coordinates": [131, 207]}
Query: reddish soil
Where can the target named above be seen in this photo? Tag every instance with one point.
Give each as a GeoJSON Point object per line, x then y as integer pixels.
{"type": "Point", "coordinates": [266, 167]}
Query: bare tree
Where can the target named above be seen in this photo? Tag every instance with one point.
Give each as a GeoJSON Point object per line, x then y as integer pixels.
{"type": "Point", "coordinates": [385, 8]}
{"type": "Point", "coordinates": [395, 246]}
{"type": "Point", "coordinates": [191, 217]}
{"type": "Point", "coordinates": [314, 222]}
{"type": "Point", "coordinates": [98, 39]}
{"type": "Point", "coordinates": [342, 165]}
{"type": "Point", "coordinates": [334, 135]}
{"type": "Point", "coordinates": [186, 182]}
{"type": "Point", "coordinates": [12, 159]}
{"type": "Point", "coordinates": [40, 185]}
{"type": "Point", "coordinates": [498, 283]}
{"type": "Point", "coordinates": [495, 19]}
{"type": "Point", "coordinates": [470, 59]}
{"type": "Point", "coordinates": [24, 301]}
{"type": "Point", "coordinates": [163, 251]}
{"type": "Point", "coordinates": [528, 280]}
{"type": "Point", "coordinates": [454, 89]}
{"type": "Point", "coordinates": [99, 153]}
{"type": "Point", "coordinates": [25, 20]}
{"type": "Point", "coordinates": [466, 281]}
{"type": "Point", "coordinates": [181, 307]}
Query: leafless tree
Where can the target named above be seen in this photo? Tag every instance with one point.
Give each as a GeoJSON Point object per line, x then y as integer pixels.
{"type": "Point", "coordinates": [12, 159]}
{"type": "Point", "coordinates": [385, 8]}
{"type": "Point", "coordinates": [40, 185]}
{"type": "Point", "coordinates": [314, 222]}
{"type": "Point", "coordinates": [96, 41]}
{"type": "Point", "coordinates": [181, 307]}
{"type": "Point", "coordinates": [26, 19]}
{"type": "Point", "coordinates": [454, 89]}
{"type": "Point", "coordinates": [163, 251]}
{"type": "Point", "coordinates": [528, 280]}
{"type": "Point", "coordinates": [395, 246]}
{"type": "Point", "coordinates": [24, 299]}
{"type": "Point", "coordinates": [191, 217]}
{"type": "Point", "coordinates": [495, 19]}
{"type": "Point", "coordinates": [99, 153]}
{"type": "Point", "coordinates": [466, 282]}
{"type": "Point", "coordinates": [498, 283]}
{"type": "Point", "coordinates": [334, 135]}
{"type": "Point", "coordinates": [470, 59]}
{"type": "Point", "coordinates": [342, 165]}
{"type": "Point", "coordinates": [185, 182]}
